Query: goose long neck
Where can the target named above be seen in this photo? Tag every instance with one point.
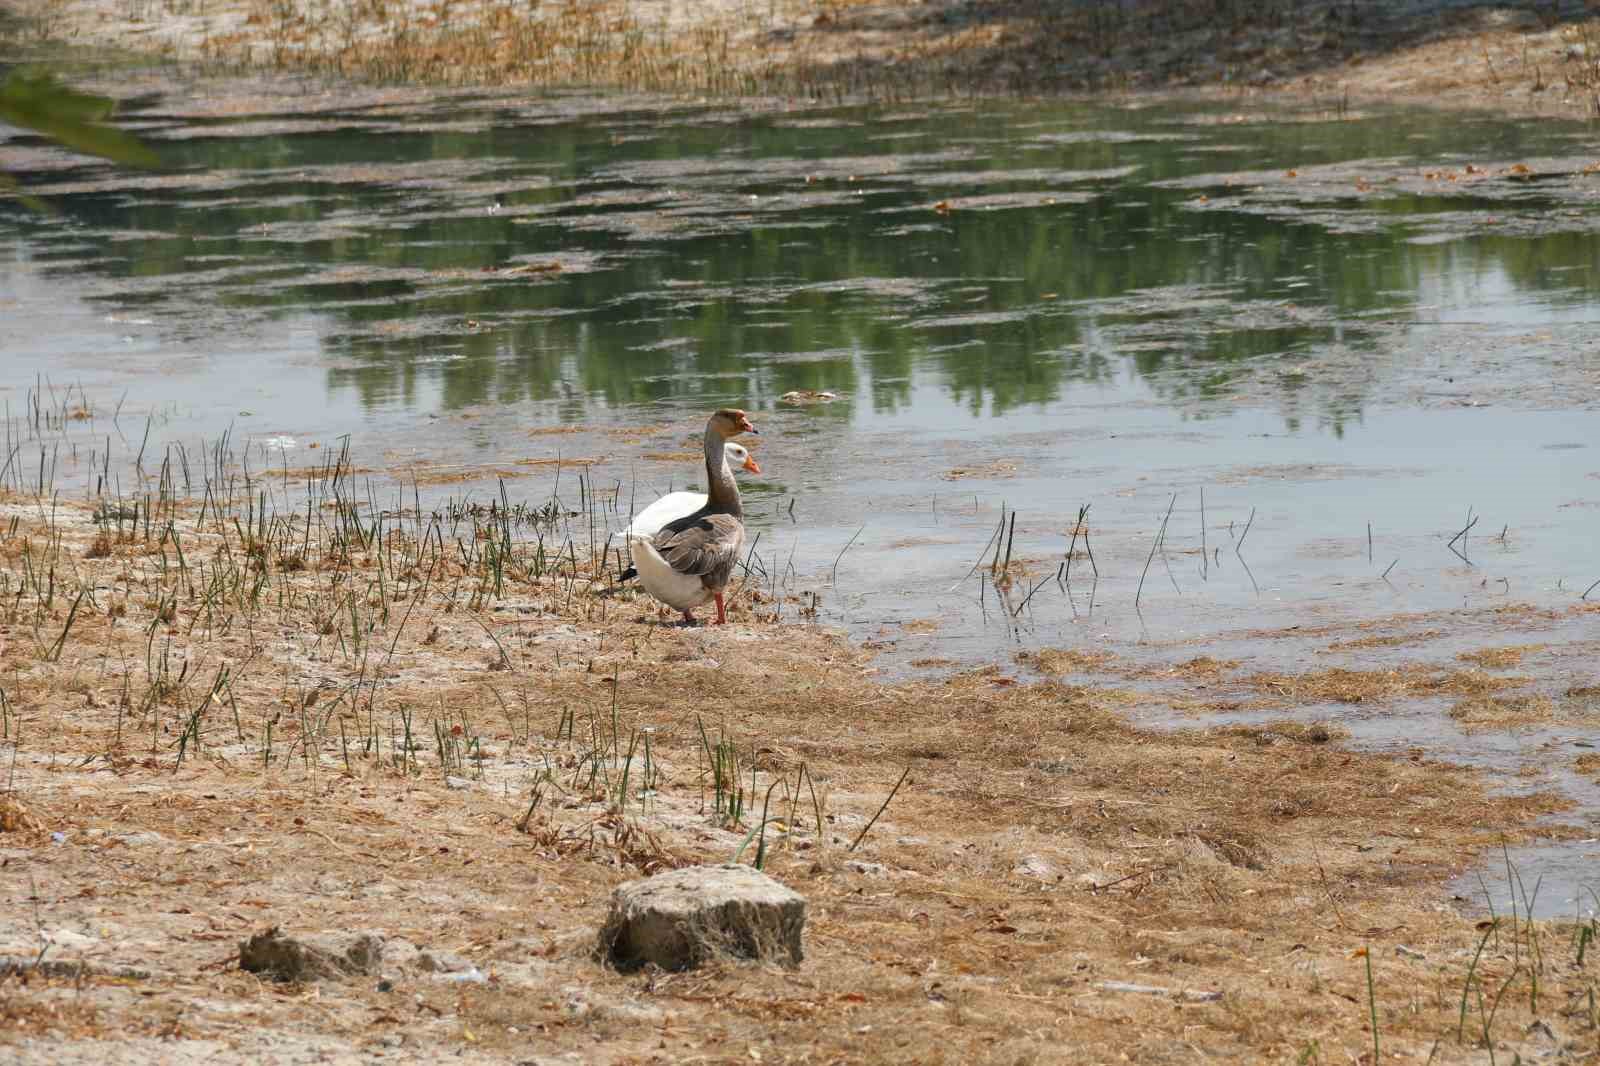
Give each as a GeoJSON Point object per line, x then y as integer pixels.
{"type": "Point", "coordinates": [722, 492]}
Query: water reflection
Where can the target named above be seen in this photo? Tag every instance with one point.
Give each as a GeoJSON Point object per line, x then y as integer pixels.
{"type": "Point", "coordinates": [1007, 253]}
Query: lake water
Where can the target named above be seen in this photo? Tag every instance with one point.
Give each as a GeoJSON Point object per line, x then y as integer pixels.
{"type": "Point", "coordinates": [1352, 335]}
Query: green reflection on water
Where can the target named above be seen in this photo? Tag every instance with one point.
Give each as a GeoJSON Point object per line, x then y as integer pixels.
{"type": "Point", "coordinates": [704, 259]}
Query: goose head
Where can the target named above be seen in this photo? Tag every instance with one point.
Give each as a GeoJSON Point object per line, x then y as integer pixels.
{"type": "Point", "coordinates": [730, 422]}
{"type": "Point", "coordinates": [739, 456]}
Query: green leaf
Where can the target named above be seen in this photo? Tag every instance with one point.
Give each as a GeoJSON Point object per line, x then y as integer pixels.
{"type": "Point", "coordinates": [37, 101]}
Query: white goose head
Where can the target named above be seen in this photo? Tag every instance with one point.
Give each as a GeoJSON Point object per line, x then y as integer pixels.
{"type": "Point", "coordinates": [739, 458]}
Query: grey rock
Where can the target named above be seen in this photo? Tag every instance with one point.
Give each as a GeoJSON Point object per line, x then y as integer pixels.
{"type": "Point", "coordinates": [683, 918]}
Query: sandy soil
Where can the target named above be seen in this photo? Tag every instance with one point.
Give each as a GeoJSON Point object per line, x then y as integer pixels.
{"type": "Point", "coordinates": [219, 721]}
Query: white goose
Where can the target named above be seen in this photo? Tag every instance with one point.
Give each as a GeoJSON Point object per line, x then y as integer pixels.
{"type": "Point", "coordinates": [648, 522]}
{"type": "Point", "coordinates": [689, 561]}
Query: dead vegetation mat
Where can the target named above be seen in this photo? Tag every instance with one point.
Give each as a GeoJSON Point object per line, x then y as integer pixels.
{"type": "Point", "coordinates": [201, 745]}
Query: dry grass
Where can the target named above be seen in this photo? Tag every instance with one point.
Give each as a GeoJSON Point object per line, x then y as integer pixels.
{"type": "Point", "coordinates": [1577, 706]}
{"type": "Point", "coordinates": [1296, 732]}
{"type": "Point", "coordinates": [1587, 695]}
{"type": "Point", "coordinates": [1365, 686]}
{"type": "Point", "coordinates": [1500, 658]}
{"type": "Point", "coordinates": [14, 817]}
{"type": "Point", "coordinates": [1384, 640]}
{"type": "Point", "coordinates": [40, 1013]}
{"type": "Point", "coordinates": [1202, 668]}
{"type": "Point", "coordinates": [1483, 712]}
{"type": "Point", "coordinates": [998, 468]}
{"type": "Point", "coordinates": [462, 474]}
{"type": "Point", "coordinates": [1067, 661]}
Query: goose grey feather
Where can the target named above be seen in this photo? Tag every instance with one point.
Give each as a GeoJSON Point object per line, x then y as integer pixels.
{"type": "Point", "coordinates": [703, 544]}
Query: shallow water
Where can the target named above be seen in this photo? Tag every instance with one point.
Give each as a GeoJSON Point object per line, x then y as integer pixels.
{"type": "Point", "coordinates": [1354, 337]}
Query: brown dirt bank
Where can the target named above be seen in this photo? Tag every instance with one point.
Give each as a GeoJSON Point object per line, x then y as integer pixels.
{"type": "Point", "coordinates": [1518, 58]}
{"type": "Point", "coordinates": [221, 721]}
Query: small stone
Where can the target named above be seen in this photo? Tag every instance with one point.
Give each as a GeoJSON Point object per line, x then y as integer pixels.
{"type": "Point", "coordinates": [68, 939]}
{"type": "Point", "coordinates": [680, 919]}
{"type": "Point", "coordinates": [575, 1002]}
{"type": "Point", "coordinates": [442, 962]}
{"type": "Point", "coordinates": [470, 976]}
{"type": "Point", "coordinates": [1037, 867]}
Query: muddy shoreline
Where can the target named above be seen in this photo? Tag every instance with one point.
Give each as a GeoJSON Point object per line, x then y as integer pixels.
{"type": "Point", "coordinates": [223, 719]}
{"type": "Point", "coordinates": [1522, 60]}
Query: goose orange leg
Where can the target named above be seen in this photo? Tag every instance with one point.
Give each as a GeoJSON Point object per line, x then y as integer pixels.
{"type": "Point", "coordinates": [722, 613]}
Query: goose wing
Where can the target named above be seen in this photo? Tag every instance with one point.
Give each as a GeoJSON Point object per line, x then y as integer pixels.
{"type": "Point", "coordinates": [702, 544]}
{"type": "Point", "coordinates": [672, 506]}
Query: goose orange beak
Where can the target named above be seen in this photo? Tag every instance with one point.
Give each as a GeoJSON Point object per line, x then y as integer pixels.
{"type": "Point", "coordinates": [751, 465]}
